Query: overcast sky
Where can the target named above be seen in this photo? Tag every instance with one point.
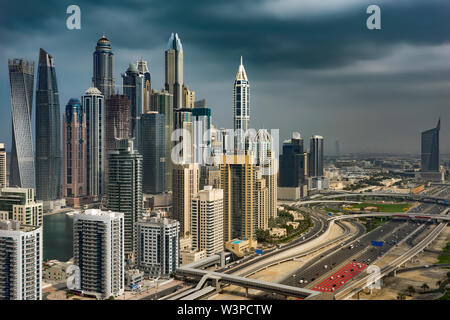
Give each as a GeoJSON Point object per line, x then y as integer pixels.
{"type": "Point", "coordinates": [313, 65]}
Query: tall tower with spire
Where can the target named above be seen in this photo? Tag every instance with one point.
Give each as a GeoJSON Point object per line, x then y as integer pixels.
{"type": "Point", "coordinates": [48, 133]}
{"type": "Point", "coordinates": [174, 70]}
{"type": "Point", "coordinates": [103, 76]}
{"type": "Point", "coordinates": [241, 101]}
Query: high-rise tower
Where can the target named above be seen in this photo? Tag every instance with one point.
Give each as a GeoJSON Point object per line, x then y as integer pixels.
{"type": "Point", "coordinates": [315, 163]}
{"type": "Point", "coordinates": [103, 77]}
{"type": "Point", "coordinates": [21, 79]}
{"type": "Point", "coordinates": [48, 132]}
{"type": "Point", "coordinates": [174, 70]}
{"type": "Point", "coordinates": [133, 88]}
{"type": "Point", "coordinates": [74, 154]}
{"type": "Point", "coordinates": [241, 104]}
{"type": "Point", "coordinates": [430, 149]}
{"type": "Point", "coordinates": [93, 105]}
{"type": "Point", "coordinates": [125, 187]}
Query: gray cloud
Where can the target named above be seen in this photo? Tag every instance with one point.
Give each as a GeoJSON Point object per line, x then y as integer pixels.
{"type": "Point", "coordinates": [313, 66]}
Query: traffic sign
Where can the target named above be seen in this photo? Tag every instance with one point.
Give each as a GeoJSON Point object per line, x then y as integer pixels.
{"type": "Point", "coordinates": [258, 251]}
{"type": "Point", "coordinates": [330, 214]}
{"type": "Point", "coordinates": [377, 243]}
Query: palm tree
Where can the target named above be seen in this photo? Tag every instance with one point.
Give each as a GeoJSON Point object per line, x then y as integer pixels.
{"type": "Point", "coordinates": [411, 290]}
{"type": "Point", "coordinates": [425, 287]}
{"type": "Point", "coordinates": [438, 283]}
{"type": "Point", "coordinates": [401, 296]}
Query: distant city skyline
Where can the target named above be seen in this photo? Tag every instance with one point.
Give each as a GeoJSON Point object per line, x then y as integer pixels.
{"type": "Point", "coordinates": [374, 91]}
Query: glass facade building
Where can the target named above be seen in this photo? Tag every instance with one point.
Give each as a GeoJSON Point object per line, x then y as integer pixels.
{"type": "Point", "coordinates": [125, 187]}
{"type": "Point", "coordinates": [162, 102]}
{"type": "Point", "coordinates": [430, 149]}
{"type": "Point", "coordinates": [293, 163]}
{"type": "Point", "coordinates": [133, 89]}
{"type": "Point", "coordinates": [152, 146]}
{"type": "Point", "coordinates": [21, 79]}
{"type": "Point", "coordinates": [48, 131]}
{"type": "Point", "coordinates": [103, 75]}
{"type": "Point", "coordinates": [315, 163]}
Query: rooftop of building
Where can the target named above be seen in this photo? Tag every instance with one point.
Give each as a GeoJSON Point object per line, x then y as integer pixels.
{"type": "Point", "coordinates": [11, 225]}
{"type": "Point", "coordinates": [174, 43]}
{"type": "Point", "coordinates": [93, 91]}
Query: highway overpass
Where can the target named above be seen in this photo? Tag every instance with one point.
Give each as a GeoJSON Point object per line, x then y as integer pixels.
{"type": "Point", "coordinates": [392, 195]}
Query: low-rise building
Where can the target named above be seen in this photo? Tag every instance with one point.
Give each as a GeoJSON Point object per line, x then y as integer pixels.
{"type": "Point", "coordinates": [293, 224]}
{"type": "Point", "coordinates": [277, 232]}
{"type": "Point", "coordinates": [190, 256]}
{"type": "Point", "coordinates": [240, 247]}
{"type": "Point", "coordinates": [134, 279]}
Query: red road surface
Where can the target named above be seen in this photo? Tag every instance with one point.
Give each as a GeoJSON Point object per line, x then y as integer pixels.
{"type": "Point", "coordinates": [339, 278]}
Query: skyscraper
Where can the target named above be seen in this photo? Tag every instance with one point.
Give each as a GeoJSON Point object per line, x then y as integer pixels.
{"type": "Point", "coordinates": [125, 187]}
{"type": "Point", "coordinates": [264, 152]}
{"type": "Point", "coordinates": [188, 97]}
{"type": "Point", "coordinates": [103, 75]}
{"type": "Point", "coordinates": [315, 163]}
{"type": "Point", "coordinates": [48, 133]}
{"type": "Point", "coordinates": [143, 69]}
{"type": "Point", "coordinates": [238, 181]}
{"type": "Point", "coordinates": [207, 220]}
{"type": "Point", "coordinates": [430, 149]}
{"type": "Point", "coordinates": [183, 121]}
{"type": "Point", "coordinates": [153, 142]}
{"type": "Point", "coordinates": [98, 250]}
{"type": "Point", "coordinates": [2, 166]}
{"type": "Point", "coordinates": [174, 70]}
{"type": "Point", "coordinates": [21, 79]}
{"type": "Point", "coordinates": [74, 154]}
{"type": "Point", "coordinates": [185, 186]}
{"type": "Point", "coordinates": [93, 105]}
{"type": "Point", "coordinates": [133, 88]}
{"type": "Point", "coordinates": [241, 105]}
{"type": "Point", "coordinates": [201, 117]}
{"type": "Point", "coordinates": [293, 163]}
{"type": "Point", "coordinates": [162, 102]}
{"type": "Point", "coordinates": [117, 124]}
{"type": "Point", "coordinates": [21, 261]}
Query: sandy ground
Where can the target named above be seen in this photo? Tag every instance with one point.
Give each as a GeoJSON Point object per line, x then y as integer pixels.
{"type": "Point", "coordinates": [391, 286]}
{"type": "Point", "coordinates": [278, 272]}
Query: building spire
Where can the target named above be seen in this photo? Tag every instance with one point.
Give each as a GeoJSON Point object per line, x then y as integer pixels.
{"type": "Point", "coordinates": [241, 74]}
{"type": "Point", "coordinates": [439, 124]}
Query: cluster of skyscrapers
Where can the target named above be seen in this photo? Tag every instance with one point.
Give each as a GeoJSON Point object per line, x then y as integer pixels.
{"type": "Point", "coordinates": [118, 149]}
{"type": "Point", "coordinates": [115, 150]}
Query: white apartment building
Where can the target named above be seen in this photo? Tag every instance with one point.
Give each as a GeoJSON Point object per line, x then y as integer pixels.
{"type": "Point", "coordinates": [20, 261]}
{"type": "Point", "coordinates": [157, 248]}
{"type": "Point", "coordinates": [98, 250]}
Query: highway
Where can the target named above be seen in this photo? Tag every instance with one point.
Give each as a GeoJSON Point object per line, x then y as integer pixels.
{"type": "Point", "coordinates": [320, 224]}
{"type": "Point", "coordinates": [361, 251]}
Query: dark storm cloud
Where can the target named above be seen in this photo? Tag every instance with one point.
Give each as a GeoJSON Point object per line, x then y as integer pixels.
{"type": "Point", "coordinates": [299, 57]}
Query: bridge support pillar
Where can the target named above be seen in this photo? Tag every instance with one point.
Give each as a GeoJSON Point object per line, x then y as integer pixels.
{"type": "Point", "coordinates": [246, 292]}
{"type": "Point", "coordinates": [358, 294]}
{"type": "Point", "coordinates": [395, 272]}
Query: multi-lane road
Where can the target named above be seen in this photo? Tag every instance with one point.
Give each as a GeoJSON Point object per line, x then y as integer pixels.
{"type": "Point", "coordinates": [361, 251]}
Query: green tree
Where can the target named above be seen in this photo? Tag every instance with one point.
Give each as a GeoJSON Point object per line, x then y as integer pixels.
{"type": "Point", "coordinates": [411, 290]}
{"type": "Point", "coordinates": [425, 287]}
